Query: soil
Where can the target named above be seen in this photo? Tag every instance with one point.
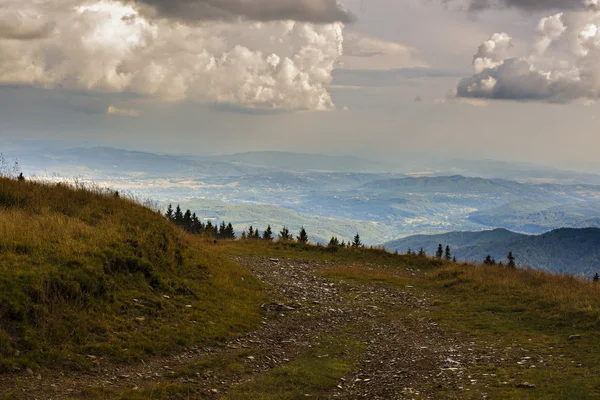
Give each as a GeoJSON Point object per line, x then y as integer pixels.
{"type": "Point", "coordinates": [405, 357]}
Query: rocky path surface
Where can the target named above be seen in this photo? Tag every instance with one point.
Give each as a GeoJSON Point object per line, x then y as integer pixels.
{"type": "Point", "coordinates": [405, 357]}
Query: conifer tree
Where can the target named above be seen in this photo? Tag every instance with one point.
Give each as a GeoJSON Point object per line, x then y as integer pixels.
{"type": "Point", "coordinates": [409, 252]}
{"type": "Point", "coordinates": [422, 252]}
{"type": "Point", "coordinates": [357, 243]}
{"type": "Point", "coordinates": [229, 232]}
{"type": "Point", "coordinates": [268, 233]}
{"type": "Point", "coordinates": [489, 260]}
{"type": "Point", "coordinates": [511, 260]}
{"type": "Point", "coordinates": [256, 234]}
{"type": "Point", "coordinates": [222, 230]}
{"type": "Point", "coordinates": [447, 253]}
{"type": "Point", "coordinates": [251, 232]}
{"type": "Point", "coordinates": [169, 214]}
{"type": "Point", "coordinates": [303, 238]}
{"type": "Point", "coordinates": [244, 236]}
{"type": "Point", "coordinates": [596, 277]}
{"type": "Point", "coordinates": [440, 252]}
{"type": "Point", "coordinates": [285, 234]}
{"type": "Point", "coordinates": [454, 259]}
{"type": "Point", "coordinates": [178, 218]}
{"type": "Point", "coordinates": [187, 221]}
{"type": "Point", "coordinates": [334, 242]}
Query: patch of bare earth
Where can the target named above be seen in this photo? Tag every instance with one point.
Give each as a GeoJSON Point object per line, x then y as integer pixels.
{"type": "Point", "coordinates": [406, 356]}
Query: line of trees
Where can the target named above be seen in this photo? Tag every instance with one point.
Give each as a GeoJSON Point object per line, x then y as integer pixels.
{"type": "Point", "coordinates": [489, 260]}
{"type": "Point", "coordinates": [191, 223]}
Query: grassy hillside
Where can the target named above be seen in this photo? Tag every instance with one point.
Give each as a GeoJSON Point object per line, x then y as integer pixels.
{"type": "Point", "coordinates": [91, 281]}
{"type": "Point", "coordinates": [84, 273]}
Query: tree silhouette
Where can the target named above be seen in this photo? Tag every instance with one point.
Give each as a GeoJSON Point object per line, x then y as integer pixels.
{"type": "Point", "coordinates": [334, 242]}
{"type": "Point", "coordinates": [178, 217]}
{"type": "Point", "coordinates": [169, 214]}
{"type": "Point", "coordinates": [596, 277]}
{"type": "Point", "coordinates": [511, 260]}
{"type": "Point", "coordinates": [285, 234]}
{"type": "Point", "coordinates": [357, 243]}
{"type": "Point", "coordinates": [422, 252]}
{"type": "Point", "coordinates": [303, 238]}
{"type": "Point", "coordinates": [489, 260]}
{"type": "Point", "coordinates": [268, 233]}
{"type": "Point", "coordinates": [440, 251]}
{"type": "Point", "coordinates": [447, 253]}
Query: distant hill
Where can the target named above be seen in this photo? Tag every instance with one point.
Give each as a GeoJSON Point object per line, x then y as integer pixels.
{"type": "Point", "coordinates": [573, 251]}
{"type": "Point", "coordinates": [303, 162]}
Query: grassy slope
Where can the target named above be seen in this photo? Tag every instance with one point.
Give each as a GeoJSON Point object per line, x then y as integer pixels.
{"type": "Point", "coordinates": [83, 272]}
{"type": "Point", "coordinates": [64, 294]}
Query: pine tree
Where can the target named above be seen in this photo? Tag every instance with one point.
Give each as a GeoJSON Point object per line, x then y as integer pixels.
{"type": "Point", "coordinates": [187, 221]}
{"type": "Point", "coordinates": [256, 234]}
{"type": "Point", "coordinates": [250, 232]}
{"type": "Point", "coordinates": [169, 214]}
{"type": "Point", "coordinates": [422, 252]}
{"type": "Point", "coordinates": [511, 260]}
{"type": "Point", "coordinates": [357, 243]}
{"type": "Point", "coordinates": [303, 238]}
{"type": "Point", "coordinates": [268, 233]}
{"type": "Point", "coordinates": [447, 253]}
{"type": "Point", "coordinates": [244, 236]}
{"type": "Point", "coordinates": [334, 242]}
{"type": "Point", "coordinates": [409, 252]}
{"type": "Point", "coordinates": [489, 260]}
{"type": "Point", "coordinates": [222, 230]}
{"type": "Point", "coordinates": [440, 252]}
{"type": "Point", "coordinates": [178, 218]}
{"type": "Point", "coordinates": [229, 232]}
{"type": "Point", "coordinates": [285, 235]}
{"type": "Point", "coordinates": [596, 277]}
{"type": "Point", "coordinates": [454, 259]}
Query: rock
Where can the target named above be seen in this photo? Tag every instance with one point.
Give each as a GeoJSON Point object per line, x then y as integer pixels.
{"type": "Point", "coordinates": [166, 297]}
{"type": "Point", "coordinates": [526, 385]}
{"type": "Point", "coordinates": [91, 357]}
{"type": "Point", "coordinates": [29, 371]}
{"type": "Point", "coordinates": [574, 337]}
{"type": "Point", "coordinates": [274, 260]}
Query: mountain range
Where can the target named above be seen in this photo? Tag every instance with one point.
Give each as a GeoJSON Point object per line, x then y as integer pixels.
{"type": "Point", "coordinates": [572, 251]}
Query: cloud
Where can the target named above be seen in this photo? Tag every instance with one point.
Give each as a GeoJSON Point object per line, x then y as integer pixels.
{"type": "Point", "coordinates": [564, 67]}
{"type": "Point", "coordinates": [124, 112]}
{"type": "Point", "coordinates": [315, 11]}
{"type": "Point", "coordinates": [534, 5]}
{"type": "Point", "coordinates": [107, 46]}
{"type": "Point", "coordinates": [21, 23]}
{"type": "Point", "coordinates": [368, 53]}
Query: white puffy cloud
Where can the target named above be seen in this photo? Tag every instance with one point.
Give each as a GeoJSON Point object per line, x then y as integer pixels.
{"type": "Point", "coordinates": [548, 30]}
{"type": "Point", "coordinates": [570, 72]}
{"type": "Point", "coordinates": [108, 46]}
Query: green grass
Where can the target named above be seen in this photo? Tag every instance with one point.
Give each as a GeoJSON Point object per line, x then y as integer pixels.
{"type": "Point", "coordinates": [519, 312]}
{"type": "Point", "coordinates": [313, 373]}
{"type": "Point", "coordinates": [86, 273]}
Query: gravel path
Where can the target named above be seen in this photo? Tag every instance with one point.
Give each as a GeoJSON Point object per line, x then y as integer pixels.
{"type": "Point", "coordinates": [405, 358]}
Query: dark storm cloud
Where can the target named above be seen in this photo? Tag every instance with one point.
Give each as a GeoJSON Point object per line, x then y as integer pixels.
{"type": "Point", "coordinates": [316, 11]}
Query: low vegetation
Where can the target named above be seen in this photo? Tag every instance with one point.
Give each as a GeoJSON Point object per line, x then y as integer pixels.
{"type": "Point", "coordinates": [85, 273]}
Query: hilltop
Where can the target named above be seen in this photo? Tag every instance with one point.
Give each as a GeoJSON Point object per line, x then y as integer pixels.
{"type": "Point", "coordinates": [102, 298]}
{"type": "Point", "coordinates": [572, 251]}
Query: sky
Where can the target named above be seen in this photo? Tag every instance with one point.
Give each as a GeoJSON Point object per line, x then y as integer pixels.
{"type": "Point", "coordinates": [513, 80]}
